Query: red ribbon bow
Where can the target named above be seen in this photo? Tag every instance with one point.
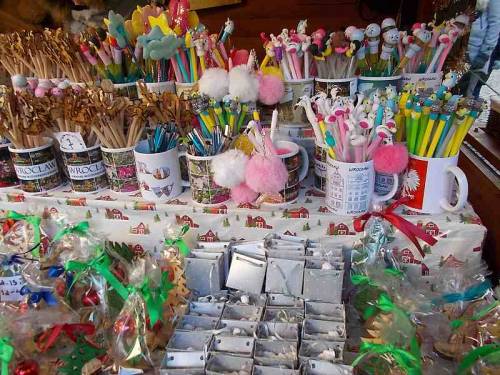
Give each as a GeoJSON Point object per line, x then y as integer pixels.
{"type": "Point", "coordinates": [409, 229]}
{"type": "Point", "coordinates": [48, 338]}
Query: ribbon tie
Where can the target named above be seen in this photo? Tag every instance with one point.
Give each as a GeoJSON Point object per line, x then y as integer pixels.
{"type": "Point", "coordinates": [468, 361]}
{"type": "Point", "coordinates": [409, 229]}
{"type": "Point", "coordinates": [362, 280]}
{"type": "Point", "coordinates": [79, 229]}
{"type": "Point", "coordinates": [35, 221]}
{"type": "Point", "coordinates": [474, 292]}
{"type": "Point", "coordinates": [405, 360]}
{"type": "Point", "coordinates": [35, 297]}
{"type": "Point", "coordinates": [101, 265]}
{"type": "Point", "coordinates": [6, 354]}
{"type": "Point", "coordinates": [179, 241]}
{"type": "Point", "coordinates": [154, 298]}
{"type": "Point", "coordinates": [47, 339]}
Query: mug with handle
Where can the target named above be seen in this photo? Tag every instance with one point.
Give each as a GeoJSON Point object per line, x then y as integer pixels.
{"type": "Point", "coordinates": [159, 173]}
{"type": "Point", "coordinates": [428, 184]}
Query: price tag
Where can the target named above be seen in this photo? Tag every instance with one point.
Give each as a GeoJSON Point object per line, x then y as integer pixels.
{"type": "Point", "coordinates": [10, 288]}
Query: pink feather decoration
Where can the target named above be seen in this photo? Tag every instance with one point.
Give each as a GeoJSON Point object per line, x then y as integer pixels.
{"type": "Point", "coordinates": [266, 174]}
{"type": "Point", "coordinates": [390, 158]}
{"type": "Point", "coordinates": [271, 89]}
{"type": "Point", "coordinates": [243, 194]}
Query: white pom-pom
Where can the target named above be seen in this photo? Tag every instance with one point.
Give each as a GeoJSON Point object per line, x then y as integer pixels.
{"type": "Point", "coordinates": [229, 168]}
{"type": "Point", "coordinates": [19, 81]}
{"type": "Point", "coordinates": [243, 85]}
{"type": "Point", "coordinates": [214, 83]}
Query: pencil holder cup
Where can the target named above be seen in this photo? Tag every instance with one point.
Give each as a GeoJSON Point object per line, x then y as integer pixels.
{"type": "Point", "coordinates": [429, 184]}
{"type": "Point", "coordinates": [85, 168]}
{"type": "Point", "coordinates": [159, 174]}
{"type": "Point", "coordinates": [204, 190]}
{"type": "Point", "coordinates": [8, 176]}
{"type": "Point", "coordinates": [320, 154]}
{"type": "Point", "coordinates": [36, 168]}
{"type": "Point", "coordinates": [344, 86]}
{"type": "Point", "coordinates": [120, 169]}
{"type": "Point", "coordinates": [185, 89]}
{"type": "Point", "coordinates": [424, 81]}
{"type": "Point", "coordinates": [296, 161]}
{"type": "Point", "coordinates": [367, 85]}
{"type": "Point", "coordinates": [158, 87]}
{"type": "Point", "coordinates": [128, 89]}
{"type": "Point", "coordinates": [350, 187]}
{"type": "Point", "coordinates": [287, 111]}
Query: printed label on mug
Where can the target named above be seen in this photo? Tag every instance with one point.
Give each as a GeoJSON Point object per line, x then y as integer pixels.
{"type": "Point", "coordinates": [84, 172]}
{"type": "Point", "coordinates": [35, 172]}
{"type": "Point", "coordinates": [414, 182]}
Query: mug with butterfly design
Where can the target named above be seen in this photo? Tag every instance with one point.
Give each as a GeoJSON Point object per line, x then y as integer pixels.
{"type": "Point", "coordinates": [159, 174]}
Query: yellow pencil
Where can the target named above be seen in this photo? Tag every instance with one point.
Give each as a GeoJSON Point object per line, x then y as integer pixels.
{"type": "Point", "coordinates": [463, 132]}
{"type": "Point", "coordinates": [442, 121]}
{"type": "Point", "coordinates": [192, 56]}
{"type": "Point", "coordinates": [428, 131]}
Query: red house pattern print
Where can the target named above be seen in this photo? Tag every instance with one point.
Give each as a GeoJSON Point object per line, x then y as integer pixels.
{"type": "Point", "coordinates": [144, 206]}
{"type": "Point", "coordinates": [340, 229]}
{"type": "Point", "coordinates": [297, 213]}
{"type": "Point", "coordinates": [137, 249]}
{"type": "Point", "coordinates": [247, 205]}
{"type": "Point", "coordinates": [406, 256]}
{"type": "Point", "coordinates": [177, 202]}
{"type": "Point", "coordinates": [76, 202]}
{"type": "Point", "coordinates": [185, 220]}
{"type": "Point", "coordinates": [323, 209]}
{"type": "Point", "coordinates": [222, 209]}
{"type": "Point", "coordinates": [257, 222]}
{"type": "Point", "coordinates": [288, 233]}
{"type": "Point", "coordinates": [451, 262]}
{"type": "Point", "coordinates": [431, 229]}
{"type": "Point", "coordinates": [105, 198]}
{"type": "Point", "coordinates": [115, 214]}
{"type": "Point", "coordinates": [15, 197]}
{"type": "Point", "coordinates": [141, 229]}
{"type": "Point", "coordinates": [209, 237]}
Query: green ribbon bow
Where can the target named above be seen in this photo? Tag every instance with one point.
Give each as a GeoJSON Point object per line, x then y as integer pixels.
{"type": "Point", "coordinates": [405, 360]}
{"type": "Point", "coordinates": [79, 229]}
{"type": "Point", "coordinates": [362, 280]}
{"type": "Point", "coordinates": [383, 303]}
{"type": "Point", "coordinates": [474, 355]}
{"type": "Point", "coordinates": [101, 265]}
{"type": "Point", "coordinates": [6, 354]}
{"type": "Point", "coordinates": [35, 221]}
{"type": "Point", "coordinates": [154, 297]}
{"type": "Point", "coordinates": [477, 316]}
{"type": "Point", "coordinates": [179, 241]}
{"type": "Point", "coordinates": [394, 272]}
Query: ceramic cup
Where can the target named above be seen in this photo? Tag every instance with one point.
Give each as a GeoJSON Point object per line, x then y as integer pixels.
{"type": "Point", "coordinates": [350, 187]}
{"type": "Point", "coordinates": [294, 90]}
{"type": "Point", "coordinates": [367, 85]}
{"type": "Point", "coordinates": [429, 183]}
{"type": "Point", "coordinates": [86, 170]}
{"type": "Point", "coordinates": [185, 89]}
{"type": "Point", "coordinates": [128, 89]}
{"type": "Point", "coordinates": [345, 86]}
{"type": "Point", "coordinates": [159, 174]}
{"type": "Point", "coordinates": [204, 190]}
{"type": "Point", "coordinates": [297, 163]}
{"type": "Point", "coordinates": [120, 169]}
{"type": "Point", "coordinates": [36, 168]}
{"type": "Point", "coordinates": [8, 176]}
{"type": "Point", "coordinates": [320, 153]}
{"type": "Point", "coordinates": [430, 81]}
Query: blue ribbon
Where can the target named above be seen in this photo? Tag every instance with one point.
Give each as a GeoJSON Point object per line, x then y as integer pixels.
{"type": "Point", "coordinates": [13, 259]}
{"type": "Point", "coordinates": [55, 271]}
{"type": "Point", "coordinates": [474, 292]}
{"type": "Point", "coordinates": [35, 297]}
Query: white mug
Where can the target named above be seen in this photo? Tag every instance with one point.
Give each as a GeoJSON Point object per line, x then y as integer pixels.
{"type": "Point", "coordinates": [292, 160]}
{"type": "Point", "coordinates": [159, 174]}
{"type": "Point", "coordinates": [349, 187]}
{"type": "Point", "coordinates": [428, 183]}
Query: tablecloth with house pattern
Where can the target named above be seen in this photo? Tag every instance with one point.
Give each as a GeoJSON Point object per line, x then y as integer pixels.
{"type": "Point", "coordinates": [142, 224]}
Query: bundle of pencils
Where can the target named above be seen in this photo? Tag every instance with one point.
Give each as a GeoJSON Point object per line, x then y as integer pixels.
{"type": "Point", "coordinates": [162, 137]}
{"type": "Point", "coordinates": [213, 144]}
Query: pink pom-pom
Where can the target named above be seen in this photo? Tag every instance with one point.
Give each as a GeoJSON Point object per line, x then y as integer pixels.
{"type": "Point", "coordinates": [41, 92]}
{"type": "Point", "coordinates": [243, 194]}
{"type": "Point", "coordinates": [271, 89]}
{"type": "Point", "coordinates": [390, 158]}
{"type": "Point", "coordinates": [266, 174]}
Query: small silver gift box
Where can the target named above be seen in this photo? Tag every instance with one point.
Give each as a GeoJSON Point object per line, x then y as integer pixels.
{"type": "Point", "coordinates": [288, 238]}
{"type": "Point", "coordinates": [325, 311]}
{"type": "Point", "coordinates": [228, 327]}
{"type": "Point", "coordinates": [209, 309]}
{"type": "Point", "coordinates": [237, 345]}
{"type": "Point", "coordinates": [254, 249]}
{"type": "Point", "coordinates": [284, 315]}
{"type": "Point", "coordinates": [282, 300]}
{"type": "Point", "coordinates": [329, 351]}
{"type": "Point", "coordinates": [219, 364]}
{"type": "Point", "coordinates": [204, 273]}
{"type": "Point", "coordinates": [182, 371]}
{"type": "Point", "coordinates": [278, 331]}
{"type": "Point", "coordinates": [187, 350]}
{"type": "Point", "coordinates": [246, 273]}
{"type": "Point", "coordinates": [276, 353]}
{"type": "Point", "coordinates": [266, 370]}
{"type": "Point", "coordinates": [224, 251]}
{"type": "Point", "coordinates": [323, 283]}
{"type": "Point", "coordinates": [242, 312]}
{"type": "Point", "coordinates": [197, 323]}
{"type": "Point", "coordinates": [315, 367]}
{"type": "Point", "coordinates": [242, 298]}
{"type": "Point", "coordinates": [323, 330]}
{"type": "Point", "coordinates": [284, 276]}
